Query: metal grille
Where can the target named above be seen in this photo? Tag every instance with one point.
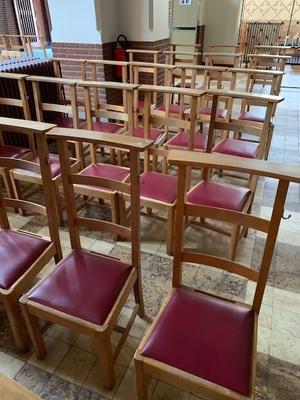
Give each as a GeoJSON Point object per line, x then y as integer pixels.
{"type": "Point", "coordinates": [258, 33]}
{"type": "Point", "coordinates": [25, 16]}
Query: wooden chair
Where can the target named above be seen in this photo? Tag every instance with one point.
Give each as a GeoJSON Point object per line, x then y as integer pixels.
{"type": "Point", "coordinates": [204, 343]}
{"type": "Point", "coordinates": [7, 150]}
{"type": "Point", "coordinates": [10, 390]}
{"type": "Point", "coordinates": [135, 54]}
{"type": "Point", "coordinates": [87, 291]}
{"type": "Point", "coordinates": [94, 111]}
{"type": "Point", "coordinates": [181, 57]}
{"type": "Point", "coordinates": [237, 48]}
{"type": "Point", "coordinates": [24, 254]}
{"type": "Point", "coordinates": [152, 70]}
{"type": "Point", "coordinates": [236, 147]}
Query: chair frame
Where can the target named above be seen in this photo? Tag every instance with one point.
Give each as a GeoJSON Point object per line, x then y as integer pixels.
{"type": "Point", "coordinates": [101, 333]}
{"type": "Point", "coordinates": [10, 297]}
{"type": "Point", "coordinates": [145, 367]}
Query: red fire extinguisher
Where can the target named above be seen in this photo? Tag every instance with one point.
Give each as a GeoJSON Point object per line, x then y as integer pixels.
{"type": "Point", "coordinates": [120, 54]}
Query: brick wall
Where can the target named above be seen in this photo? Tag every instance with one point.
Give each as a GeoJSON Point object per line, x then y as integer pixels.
{"type": "Point", "coordinates": [200, 40]}
{"type": "Point", "coordinates": [8, 21]}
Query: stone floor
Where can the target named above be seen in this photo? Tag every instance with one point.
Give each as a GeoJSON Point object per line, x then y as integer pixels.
{"type": "Point", "coordinates": [71, 371]}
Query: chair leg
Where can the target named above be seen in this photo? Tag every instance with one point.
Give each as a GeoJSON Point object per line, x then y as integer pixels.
{"type": "Point", "coordinates": [106, 357]}
{"type": "Point", "coordinates": [269, 141]}
{"type": "Point", "coordinates": [34, 332]}
{"type": "Point", "coordinates": [58, 205]}
{"type": "Point", "coordinates": [17, 324]}
{"type": "Point", "coordinates": [141, 381]}
{"type": "Point", "coordinates": [170, 229]}
{"type": "Point", "coordinates": [122, 210]}
{"type": "Point", "coordinates": [234, 242]}
{"type": "Point", "coordinates": [17, 192]}
{"type": "Point", "coordinates": [115, 218]}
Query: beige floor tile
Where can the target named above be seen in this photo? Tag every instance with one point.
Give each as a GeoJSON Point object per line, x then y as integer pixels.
{"type": "Point", "coordinates": [76, 365]}
{"type": "Point", "coordinates": [286, 300]}
{"type": "Point", "coordinates": [86, 343]}
{"type": "Point", "coordinates": [63, 334]}
{"type": "Point", "coordinates": [263, 340]}
{"type": "Point", "coordinates": [94, 380]}
{"type": "Point", "coordinates": [128, 350]}
{"type": "Point", "coordinates": [285, 321]}
{"type": "Point", "coordinates": [163, 391]}
{"type": "Point", "coordinates": [285, 347]}
{"type": "Point", "coordinates": [9, 366]}
{"type": "Point", "coordinates": [100, 246]}
{"type": "Point", "coordinates": [268, 295]}
{"type": "Point", "coordinates": [56, 351]}
{"type": "Point", "coordinates": [265, 316]}
{"type": "Point", "coordinates": [138, 328]}
{"type": "Point", "coordinates": [126, 390]}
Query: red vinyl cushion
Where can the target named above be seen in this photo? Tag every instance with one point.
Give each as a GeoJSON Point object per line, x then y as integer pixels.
{"type": "Point", "coordinates": [221, 112]}
{"type": "Point", "coordinates": [106, 171]}
{"type": "Point", "coordinates": [181, 140]}
{"type": "Point", "coordinates": [207, 337]}
{"type": "Point", "coordinates": [251, 116]}
{"type": "Point", "coordinates": [174, 108]}
{"type": "Point", "coordinates": [159, 187]}
{"type": "Point", "coordinates": [13, 152]}
{"type": "Point", "coordinates": [84, 285]}
{"type": "Point", "coordinates": [220, 195]}
{"type": "Point", "coordinates": [234, 147]}
{"type": "Point", "coordinates": [18, 251]}
{"type": "Point", "coordinates": [54, 164]}
{"type": "Point", "coordinates": [106, 127]}
{"type": "Point", "coordinates": [141, 104]}
{"type": "Point", "coordinates": [155, 134]}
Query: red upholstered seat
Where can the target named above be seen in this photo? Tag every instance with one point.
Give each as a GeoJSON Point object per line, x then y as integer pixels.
{"type": "Point", "coordinates": [106, 127]}
{"type": "Point", "coordinates": [63, 122]}
{"type": "Point", "coordinates": [221, 112]}
{"type": "Point", "coordinates": [18, 251]}
{"type": "Point", "coordinates": [155, 134]}
{"type": "Point", "coordinates": [54, 164]}
{"type": "Point", "coordinates": [158, 187]}
{"type": "Point", "coordinates": [220, 195]}
{"type": "Point", "coordinates": [106, 171]}
{"type": "Point", "coordinates": [84, 285]}
{"type": "Point", "coordinates": [141, 104]}
{"type": "Point", "coordinates": [13, 152]}
{"type": "Point", "coordinates": [207, 337]}
{"type": "Point", "coordinates": [251, 116]}
{"type": "Point", "coordinates": [174, 108]}
{"type": "Point", "coordinates": [181, 140]}
{"type": "Point", "coordinates": [233, 147]}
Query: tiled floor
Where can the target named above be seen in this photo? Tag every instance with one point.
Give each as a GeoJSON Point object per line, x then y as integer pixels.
{"type": "Point", "coordinates": [71, 371]}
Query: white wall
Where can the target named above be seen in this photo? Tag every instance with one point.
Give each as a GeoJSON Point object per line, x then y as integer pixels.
{"type": "Point", "coordinates": [133, 18]}
{"type": "Point", "coordinates": [73, 21]}
{"type": "Point", "coordinates": [161, 28]}
{"type": "Point", "coordinates": [107, 19]}
{"type": "Point", "coordinates": [222, 20]}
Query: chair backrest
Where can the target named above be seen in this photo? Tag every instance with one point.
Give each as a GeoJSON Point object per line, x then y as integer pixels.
{"type": "Point", "coordinates": [22, 102]}
{"type": "Point", "coordinates": [285, 174]}
{"type": "Point", "coordinates": [215, 58]}
{"type": "Point", "coordinates": [154, 70]}
{"type": "Point", "coordinates": [257, 128]}
{"type": "Point", "coordinates": [135, 55]}
{"type": "Point", "coordinates": [93, 107]}
{"type": "Point", "coordinates": [182, 57]}
{"type": "Point", "coordinates": [267, 61]}
{"type": "Point", "coordinates": [75, 63]}
{"type": "Point", "coordinates": [39, 130]}
{"type": "Point", "coordinates": [235, 48]}
{"type": "Point", "coordinates": [58, 85]}
{"type": "Point", "coordinates": [261, 48]}
{"type": "Point", "coordinates": [135, 146]}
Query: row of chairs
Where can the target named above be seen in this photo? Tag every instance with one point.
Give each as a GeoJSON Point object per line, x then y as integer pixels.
{"type": "Point", "coordinates": [199, 342]}
{"type": "Point", "coordinates": [156, 126]}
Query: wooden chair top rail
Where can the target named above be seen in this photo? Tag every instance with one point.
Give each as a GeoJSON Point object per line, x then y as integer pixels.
{"type": "Point", "coordinates": [152, 65]}
{"type": "Point", "coordinates": [108, 62]}
{"type": "Point", "coordinates": [144, 51]}
{"type": "Point", "coordinates": [12, 75]}
{"type": "Point", "coordinates": [183, 53]}
{"type": "Point", "coordinates": [224, 45]}
{"type": "Point", "coordinates": [73, 60]}
{"type": "Point", "coordinates": [270, 56]}
{"type": "Point", "coordinates": [82, 135]}
{"type": "Point", "coordinates": [266, 46]}
{"type": "Point", "coordinates": [172, 90]}
{"type": "Point", "coordinates": [24, 126]}
{"type": "Point", "coordinates": [50, 79]}
{"type": "Point", "coordinates": [257, 71]}
{"type": "Point", "coordinates": [249, 166]}
{"type": "Point", "coordinates": [107, 85]}
{"type": "Point", "coordinates": [222, 54]}
{"type": "Point", "coordinates": [246, 95]}
{"type": "Point", "coordinates": [202, 67]}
